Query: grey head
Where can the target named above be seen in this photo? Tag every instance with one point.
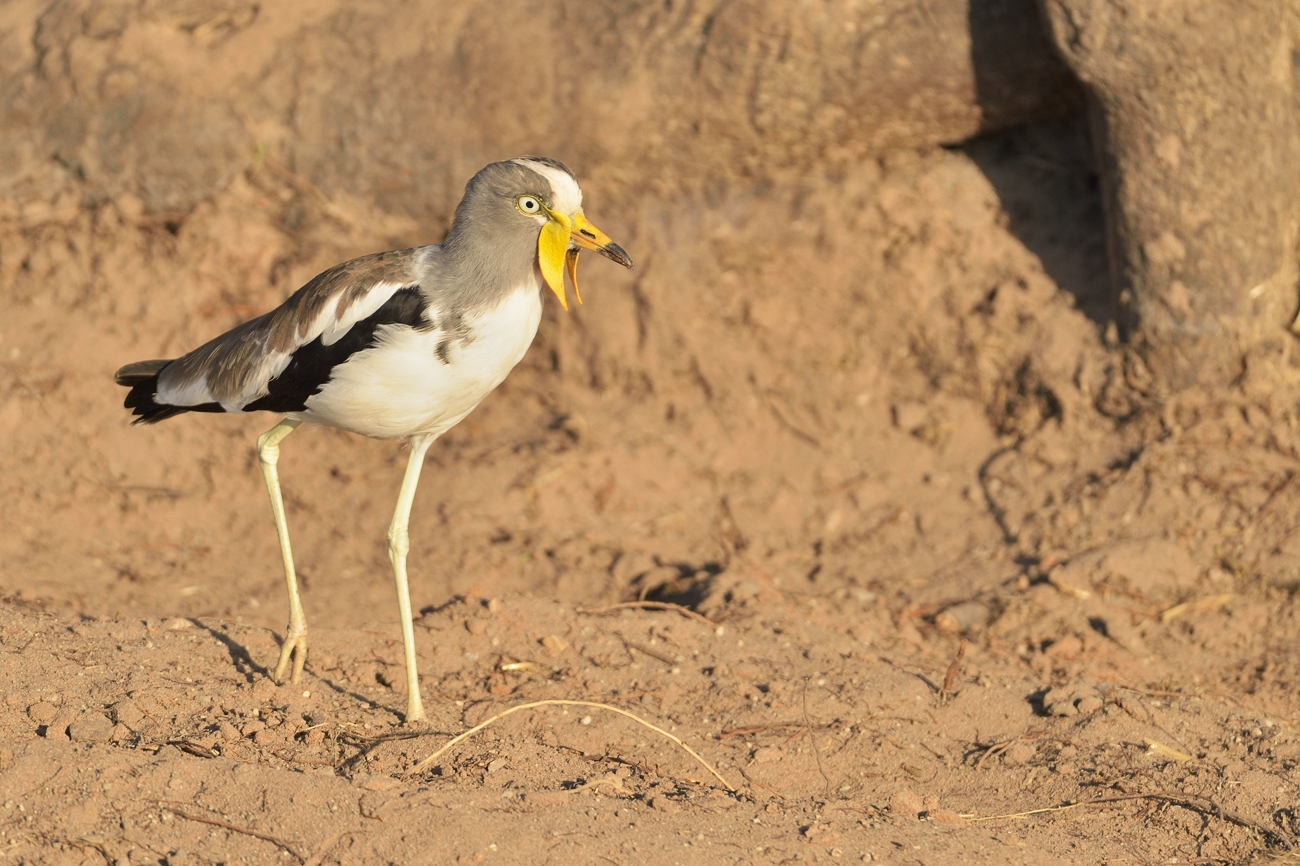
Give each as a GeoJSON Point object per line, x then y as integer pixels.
{"type": "Point", "coordinates": [492, 248]}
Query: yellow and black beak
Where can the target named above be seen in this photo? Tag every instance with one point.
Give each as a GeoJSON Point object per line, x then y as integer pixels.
{"type": "Point", "coordinates": [558, 248]}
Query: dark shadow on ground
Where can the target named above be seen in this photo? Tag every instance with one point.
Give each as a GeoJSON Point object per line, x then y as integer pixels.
{"type": "Point", "coordinates": [1046, 178]}
{"type": "Point", "coordinates": [251, 670]}
{"type": "Point", "coordinates": [1045, 173]}
{"type": "Point", "coordinates": [240, 657]}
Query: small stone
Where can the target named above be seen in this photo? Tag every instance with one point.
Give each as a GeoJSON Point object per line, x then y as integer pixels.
{"type": "Point", "coordinates": [663, 804]}
{"type": "Point", "coordinates": [127, 713]}
{"type": "Point", "coordinates": [1088, 705]}
{"type": "Point", "coordinates": [496, 764]}
{"type": "Point", "coordinates": [42, 713]}
{"type": "Point", "coordinates": [1067, 648]}
{"type": "Point", "coordinates": [967, 616]}
{"type": "Point", "coordinates": [91, 728]}
{"type": "Point", "coordinates": [1018, 753]}
{"type": "Point", "coordinates": [268, 737]}
{"type": "Point", "coordinates": [554, 644]}
{"type": "Point", "coordinates": [767, 755]}
{"type": "Point", "coordinates": [59, 727]}
{"type": "Point", "coordinates": [228, 731]}
{"type": "Point", "coordinates": [1059, 702]}
{"type": "Point", "coordinates": [1065, 700]}
{"type": "Point", "coordinates": [252, 728]}
{"type": "Point", "coordinates": [906, 802]}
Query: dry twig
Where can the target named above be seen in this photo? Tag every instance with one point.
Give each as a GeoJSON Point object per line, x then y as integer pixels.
{"type": "Point", "coordinates": [567, 703]}
{"type": "Point", "coordinates": [1200, 805]}
{"type": "Point", "coordinates": [812, 738]}
{"type": "Point", "coordinates": [950, 677]}
{"type": "Point", "coordinates": [226, 825]}
{"type": "Point", "coordinates": [654, 654]}
{"type": "Point", "coordinates": [650, 605]}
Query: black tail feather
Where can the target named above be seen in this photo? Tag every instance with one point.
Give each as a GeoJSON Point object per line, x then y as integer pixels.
{"type": "Point", "coordinates": [142, 378]}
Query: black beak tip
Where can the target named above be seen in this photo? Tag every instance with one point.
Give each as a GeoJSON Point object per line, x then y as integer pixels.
{"type": "Point", "coordinates": [615, 253]}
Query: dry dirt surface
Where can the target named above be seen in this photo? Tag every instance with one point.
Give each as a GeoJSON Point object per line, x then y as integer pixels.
{"type": "Point", "coordinates": [960, 588]}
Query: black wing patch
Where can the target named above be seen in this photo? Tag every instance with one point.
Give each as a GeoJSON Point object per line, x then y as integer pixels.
{"type": "Point", "coordinates": [142, 399]}
{"type": "Point", "coordinates": [312, 365]}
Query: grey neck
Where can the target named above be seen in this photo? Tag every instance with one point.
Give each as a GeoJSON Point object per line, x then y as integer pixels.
{"type": "Point", "coordinates": [477, 266]}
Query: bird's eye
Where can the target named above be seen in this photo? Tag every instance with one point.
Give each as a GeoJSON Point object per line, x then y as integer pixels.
{"type": "Point", "coordinates": [528, 204]}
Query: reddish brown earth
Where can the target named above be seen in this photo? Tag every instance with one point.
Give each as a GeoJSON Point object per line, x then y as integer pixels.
{"type": "Point", "coordinates": [852, 419]}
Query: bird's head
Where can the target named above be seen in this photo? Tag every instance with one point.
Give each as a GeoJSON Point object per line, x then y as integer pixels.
{"type": "Point", "coordinates": [565, 229]}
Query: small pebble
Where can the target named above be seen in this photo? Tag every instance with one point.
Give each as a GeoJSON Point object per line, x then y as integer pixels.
{"type": "Point", "coordinates": [91, 728]}
{"type": "Point", "coordinates": [906, 802]}
{"type": "Point", "coordinates": [42, 713]}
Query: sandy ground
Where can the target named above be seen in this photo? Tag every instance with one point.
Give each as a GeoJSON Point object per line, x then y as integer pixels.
{"type": "Point", "coordinates": [854, 422]}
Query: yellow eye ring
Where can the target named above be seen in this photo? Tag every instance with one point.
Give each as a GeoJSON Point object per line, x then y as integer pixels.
{"type": "Point", "coordinates": [529, 205]}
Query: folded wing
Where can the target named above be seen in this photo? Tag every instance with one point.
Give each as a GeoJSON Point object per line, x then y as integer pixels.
{"type": "Point", "coordinates": [278, 360]}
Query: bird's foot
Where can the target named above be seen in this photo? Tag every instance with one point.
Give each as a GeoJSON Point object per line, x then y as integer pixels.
{"type": "Point", "coordinates": [295, 648]}
{"type": "Point", "coordinates": [414, 711]}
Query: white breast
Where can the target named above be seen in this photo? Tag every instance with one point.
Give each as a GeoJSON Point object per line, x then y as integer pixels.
{"type": "Point", "coordinates": [401, 386]}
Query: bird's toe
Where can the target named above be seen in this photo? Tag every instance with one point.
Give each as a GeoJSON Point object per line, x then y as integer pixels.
{"type": "Point", "coordinates": [292, 652]}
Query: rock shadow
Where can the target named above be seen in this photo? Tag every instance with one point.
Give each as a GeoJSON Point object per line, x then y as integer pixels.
{"type": "Point", "coordinates": [1045, 173]}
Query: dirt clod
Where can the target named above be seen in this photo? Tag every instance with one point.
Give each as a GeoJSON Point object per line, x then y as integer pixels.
{"type": "Point", "coordinates": [91, 728]}
{"type": "Point", "coordinates": [906, 802]}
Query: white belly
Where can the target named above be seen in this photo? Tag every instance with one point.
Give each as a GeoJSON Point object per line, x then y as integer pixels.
{"type": "Point", "coordinates": [401, 387]}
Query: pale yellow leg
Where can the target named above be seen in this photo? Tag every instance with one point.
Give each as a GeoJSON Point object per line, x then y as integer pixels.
{"type": "Point", "coordinates": [399, 544]}
{"type": "Point", "coordinates": [295, 640]}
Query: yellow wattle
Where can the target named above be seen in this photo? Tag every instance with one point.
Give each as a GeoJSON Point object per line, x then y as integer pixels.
{"type": "Point", "coordinates": [552, 245]}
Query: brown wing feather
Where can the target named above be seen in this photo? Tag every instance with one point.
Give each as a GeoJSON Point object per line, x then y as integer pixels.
{"type": "Point", "coordinates": [242, 361]}
{"type": "Point", "coordinates": [140, 371]}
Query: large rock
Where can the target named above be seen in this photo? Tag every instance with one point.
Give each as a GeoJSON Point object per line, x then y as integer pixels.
{"type": "Point", "coordinates": [399, 103]}
{"type": "Point", "coordinates": [1194, 111]}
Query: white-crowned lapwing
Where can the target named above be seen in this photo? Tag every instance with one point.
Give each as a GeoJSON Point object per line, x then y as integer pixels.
{"type": "Point", "coordinates": [396, 345]}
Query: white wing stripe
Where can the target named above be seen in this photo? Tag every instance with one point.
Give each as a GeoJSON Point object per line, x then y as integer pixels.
{"type": "Point", "coordinates": [331, 330]}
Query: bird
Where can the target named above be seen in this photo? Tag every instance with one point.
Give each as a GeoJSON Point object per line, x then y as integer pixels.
{"type": "Point", "coordinates": [394, 345]}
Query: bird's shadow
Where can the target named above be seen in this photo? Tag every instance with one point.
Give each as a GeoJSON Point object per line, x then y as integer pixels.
{"type": "Point", "coordinates": [251, 670]}
{"type": "Point", "coordinates": [239, 655]}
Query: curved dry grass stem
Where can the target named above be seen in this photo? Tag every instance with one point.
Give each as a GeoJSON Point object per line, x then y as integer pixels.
{"type": "Point", "coordinates": [651, 605]}
{"type": "Point", "coordinates": [1194, 802]}
{"type": "Point", "coordinates": [567, 703]}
